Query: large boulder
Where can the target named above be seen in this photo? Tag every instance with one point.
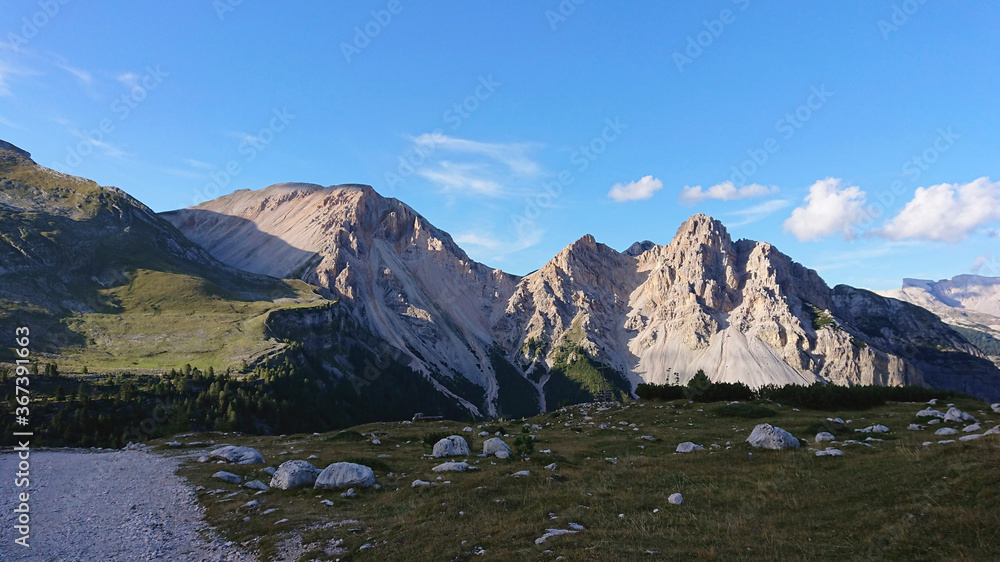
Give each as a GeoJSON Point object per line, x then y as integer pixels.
{"type": "Point", "coordinates": [824, 436]}
{"type": "Point", "coordinates": [769, 437]}
{"type": "Point", "coordinates": [292, 474]}
{"type": "Point", "coordinates": [237, 455]}
{"type": "Point", "coordinates": [929, 413]}
{"type": "Point", "coordinates": [451, 446]}
{"type": "Point", "coordinates": [344, 475]}
{"type": "Point", "coordinates": [995, 407]}
{"type": "Point", "coordinates": [496, 446]}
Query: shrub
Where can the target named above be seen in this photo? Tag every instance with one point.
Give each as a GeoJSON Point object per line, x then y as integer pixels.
{"type": "Point", "coordinates": [349, 435]}
{"type": "Point", "coordinates": [745, 411]}
{"type": "Point", "coordinates": [524, 445]}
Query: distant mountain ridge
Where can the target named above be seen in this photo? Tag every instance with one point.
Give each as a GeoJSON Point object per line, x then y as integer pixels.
{"type": "Point", "coordinates": [971, 303]}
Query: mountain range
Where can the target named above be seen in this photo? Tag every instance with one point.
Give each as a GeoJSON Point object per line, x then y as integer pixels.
{"type": "Point", "coordinates": [362, 288]}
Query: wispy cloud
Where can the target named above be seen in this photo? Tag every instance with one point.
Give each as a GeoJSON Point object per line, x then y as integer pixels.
{"type": "Point", "coordinates": [462, 178]}
{"type": "Point", "coordinates": [8, 123]}
{"type": "Point", "coordinates": [107, 148]}
{"type": "Point", "coordinates": [644, 188]}
{"type": "Point", "coordinates": [497, 246]}
{"type": "Point", "coordinates": [474, 168]}
{"type": "Point", "coordinates": [199, 164]}
{"type": "Point", "coordinates": [757, 212]}
{"type": "Point", "coordinates": [725, 191]}
{"type": "Point", "coordinates": [862, 256]}
{"type": "Point", "coordinates": [512, 155]}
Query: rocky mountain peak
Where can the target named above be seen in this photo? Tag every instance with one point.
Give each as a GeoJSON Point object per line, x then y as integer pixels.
{"type": "Point", "coordinates": [9, 151]}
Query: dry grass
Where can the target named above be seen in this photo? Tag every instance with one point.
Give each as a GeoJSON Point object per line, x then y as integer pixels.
{"type": "Point", "coordinates": [895, 501]}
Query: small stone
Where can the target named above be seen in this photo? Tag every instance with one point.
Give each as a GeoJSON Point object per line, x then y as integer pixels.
{"type": "Point", "coordinates": [521, 473]}
{"type": "Point", "coordinates": [419, 482]}
{"type": "Point", "coordinates": [675, 499]}
{"type": "Point", "coordinates": [349, 493]}
{"type": "Point", "coordinates": [550, 466]}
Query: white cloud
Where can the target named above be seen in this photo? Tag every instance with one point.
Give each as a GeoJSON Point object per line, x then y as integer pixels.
{"type": "Point", "coordinates": [757, 212]}
{"type": "Point", "coordinates": [946, 212]}
{"type": "Point", "coordinates": [725, 191]}
{"type": "Point", "coordinates": [636, 190]}
{"type": "Point", "coordinates": [830, 208]}
{"type": "Point", "coordinates": [462, 177]}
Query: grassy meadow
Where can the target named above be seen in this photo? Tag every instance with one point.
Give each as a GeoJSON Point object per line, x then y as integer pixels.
{"type": "Point", "coordinates": [895, 500]}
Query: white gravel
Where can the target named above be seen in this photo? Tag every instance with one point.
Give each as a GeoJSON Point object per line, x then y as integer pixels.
{"type": "Point", "coordinates": [120, 505]}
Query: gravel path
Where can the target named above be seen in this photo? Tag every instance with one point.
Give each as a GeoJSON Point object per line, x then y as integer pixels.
{"type": "Point", "coordinates": [121, 505]}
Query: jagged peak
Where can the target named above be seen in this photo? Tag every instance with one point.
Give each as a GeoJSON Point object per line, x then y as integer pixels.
{"type": "Point", "coordinates": [702, 229]}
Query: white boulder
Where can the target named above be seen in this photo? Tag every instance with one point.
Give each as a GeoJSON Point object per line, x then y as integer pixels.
{"type": "Point", "coordinates": [769, 437]}
{"type": "Point", "coordinates": [675, 499]}
{"type": "Point", "coordinates": [970, 437]}
{"type": "Point", "coordinates": [521, 473]}
{"type": "Point", "coordinates": [824, 436]}
{"type": "Point", "coordinates": [946, 431]}
{"type": "Point", "coordinates": [956, 415]}
{"type": "Point", "coordinates": [689, 447]}
{"type": "Point", "coordinates": [451, 446]}
{"type": "Point", "coordinates": [345, 474]}
{"type": "Point", "coordinates": [292, 474]}
{"type": "Point", "coordinates": [418, 483]}
{"type": "Point", "coordinates": [995, 407]}
{"type": "Point", "coordinates": [971, 428]}
{"type": "Point", "coordinates": [237, 455]}
{"type": "Point", "coordinates": [494, 446]}
{"type": "Point", "coordinates": [829, 452]}
{"type": "Point", "coordinates": [914, 427]}
{"type": "Point", "coordinates": [929, 413]}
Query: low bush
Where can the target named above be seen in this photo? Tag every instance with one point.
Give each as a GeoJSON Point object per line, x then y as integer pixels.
{"type": "Point", "coordinates": [745, 411]}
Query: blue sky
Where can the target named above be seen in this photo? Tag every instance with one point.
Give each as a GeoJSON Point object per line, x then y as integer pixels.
{"type": "Point", "coordinates": [860, 138]}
